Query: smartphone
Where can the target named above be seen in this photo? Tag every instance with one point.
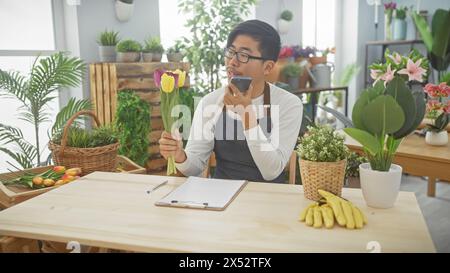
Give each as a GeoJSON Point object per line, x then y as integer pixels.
{"type": "Point", "coordinates": [241, 82]}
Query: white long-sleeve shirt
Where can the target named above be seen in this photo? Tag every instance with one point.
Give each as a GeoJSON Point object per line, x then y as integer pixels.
{"type": "Point", "coordinates": [270, 154]}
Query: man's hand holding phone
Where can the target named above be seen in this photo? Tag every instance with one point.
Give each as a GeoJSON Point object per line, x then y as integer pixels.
{"type": "Point", "coordinates": [241, 100]}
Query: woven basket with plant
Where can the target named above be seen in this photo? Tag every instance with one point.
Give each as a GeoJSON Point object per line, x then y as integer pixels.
{"type": "Point", "coordinates": [322, 154]}
{"type": "Point", "coordinates": [90, 151]}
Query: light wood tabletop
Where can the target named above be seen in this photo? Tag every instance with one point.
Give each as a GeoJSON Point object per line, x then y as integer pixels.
{"type": "Point", "coordinates": [418, 158]}
{"type": "Point", "coordinates": [113, 210]}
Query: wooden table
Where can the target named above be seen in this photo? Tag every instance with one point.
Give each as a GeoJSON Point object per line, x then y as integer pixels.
{"type": "Point", "coordinates": [113, 210]}
{"type": "Point", "coordinates": [418, 158]}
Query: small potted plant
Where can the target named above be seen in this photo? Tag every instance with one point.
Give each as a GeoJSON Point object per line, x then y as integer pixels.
{"type": "Point", "coordinates": [107, 42]}
{"type": "Point", "coordinates": [128, 51]}
{"type": "Point", "coordinates": [285, 21]}
{"type": "Point", "coordinates": [322, 154]}
{"type": "Point", "coordinates": [124, 9]}
{"type": "Point", "coordinates": [291, 72]}
{"type": "Point", "coordinates": [400, 23]}
{"type": "Point", "coordinates": [153, 46]}
{"type": "Point", "coordinates": [438, 112]}
{"type": "Point", "coordinates": [174, 53]}
{"type": "Point", "coordinates": [352, 169]}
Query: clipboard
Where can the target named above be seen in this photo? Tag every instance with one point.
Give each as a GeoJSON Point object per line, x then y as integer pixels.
{"type": "Point", "coordinates": [203, 193]}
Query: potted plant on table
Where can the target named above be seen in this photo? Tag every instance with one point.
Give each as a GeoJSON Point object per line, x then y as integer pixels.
{"type": "Point", "coordinates": [107, 45]}
{"type": "Point", "coordinates": [291, 72]}
{"type": "Point", "coordinates": [438, 111]}
{"type": "Point", "coordinates": [322, 154]}
{"type": "Point", "coordinates": [128, 51]}
{"type": "Point", "coordinates": [153, 46]}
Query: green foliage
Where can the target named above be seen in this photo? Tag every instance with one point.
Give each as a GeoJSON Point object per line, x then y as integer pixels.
{"type": "Point", "coordinates": [72, 107]}
{"type": "Point", "coordinates": [153, 45]}
{"type": "Point", "coordinates": [133, 125]}
{"type": "Point", "coordinates": [436, 39]}
{"type": "Point", "coordinates": [286, 15]}
{"type": "Point", "coordinates": [322, 144]}
{"type": "Point", "coordinates": [400, 13]}
{"type": "Point", "coordinates": [382, 117]}
{"type": "Point", "coordinates": [127, 1]}
{"type": "Point", "coordinates": [353, 162]}
{"type": "Point", "coordinates": [210, 23]}
{"type": "Point", "coordinates": [35, 93]}
{"type": "Point", "coordinates": [291, 70]}
{"type": "Point", "coordinates": [81, 138]}
{"type": "Point", "coordinates": [108, 38]}
{"type": "Point", "coordinates": [446, 78]}
{"type": "Point", "coordinates": [176, 48]}
{"type": "Point", "coordinates": [128, 46]}
{"type": "Point", "coordinates": [440, 123]}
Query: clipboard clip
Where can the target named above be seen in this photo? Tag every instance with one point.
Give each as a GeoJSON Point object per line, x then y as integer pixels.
{"type": "Point", "coordinates": [189, 204]}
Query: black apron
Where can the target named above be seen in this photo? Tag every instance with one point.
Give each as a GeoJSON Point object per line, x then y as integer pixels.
{"type": "Point", "coordinates": [233, 157]}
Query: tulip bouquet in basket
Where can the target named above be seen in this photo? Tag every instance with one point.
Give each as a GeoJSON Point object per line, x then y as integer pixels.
{"type": "Point", "coordinates": [55, 176]}
{"type": "Point", "coordinates": [169, 83]}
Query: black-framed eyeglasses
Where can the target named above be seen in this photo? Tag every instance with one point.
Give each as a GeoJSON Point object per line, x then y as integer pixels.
{"type": "Point", "coordinates": [241, 56]}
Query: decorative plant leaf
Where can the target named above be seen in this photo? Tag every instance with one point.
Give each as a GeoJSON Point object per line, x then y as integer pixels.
{"type": "Point", "coordinates": [402, 95]}
{"type": "Point", "coordinates": [424, 30]}
{"type": "Point", "coordinates": [367, 140]}
{"type": "Point", "coordinates": [383, 116]}
{"type": "Point", "coordinates": [441, 33]}
{"type": "Point", "coordinates": [72, 107]}
{"type": "Point", "coordinates": [419, 99]}
{"type": "Point", "coordinates": [358, 109]}
{"type": "Point", "coordinates": [345, 120]}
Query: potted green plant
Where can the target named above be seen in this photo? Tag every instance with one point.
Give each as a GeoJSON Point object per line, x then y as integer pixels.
{"type": "Point", "coordinates": [107, 42]}
{"type": "Point", "coordinates": [292, 71]}
{"type": "Point", "coordinates": [352, 169]}
{"type": "Point", "coordinates": [124, 9]}
{"type": "Point", "coordinates": [400, 23]}
{"type": "Point", "coordinates": [154, 47]}
{"type": "Point", "coordinates": [285, 21]}
{"type": "Point", "coordinates": [174, 53]}
{"type": "Point", "coordinates": [128, 51]}
{"type": "Point", "coordinates": [322, 159]}
{"type": "Point", "coordinates": [438, 112]}
{"type": "Point", "coordinates": [382, 117]}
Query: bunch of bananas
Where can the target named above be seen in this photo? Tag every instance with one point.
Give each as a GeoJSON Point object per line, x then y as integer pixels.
{"type": "Point", "coordinates": [325, 211]}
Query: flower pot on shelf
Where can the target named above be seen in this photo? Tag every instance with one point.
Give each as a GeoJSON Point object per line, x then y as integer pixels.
{"type": "Point", "coordinates": [380, 189]}
{"type": "Point", "coordinates": [147, 57]}
{"type": "Point", "coordinates": [128, 57]}
{"type": "Point", "coordinates": [436, 138]}
{"type": "Point", "coordinates": [124, 11]}
{"type": "Point", "coordinates": [293, 82]}
{"type": "Point", "coordinates": [107, 54]}
{"type": "Point", "coordinates": [399, 29]}
{"type": "Point", "coordinates": [175, 57]}
{"type": "Point", "coordinates": [327, 176]}
{"type": "Point", "coordinates": [156, 57]}
{"type": "Point", "coordinates": [318, 60]}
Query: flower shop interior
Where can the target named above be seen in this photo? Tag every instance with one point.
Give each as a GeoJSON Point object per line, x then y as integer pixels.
{"type": "Point", "coordinates": [87, 88]}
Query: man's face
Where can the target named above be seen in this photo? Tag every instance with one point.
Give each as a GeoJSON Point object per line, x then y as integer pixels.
{"type": "Point", "coordinates": [254, 68]}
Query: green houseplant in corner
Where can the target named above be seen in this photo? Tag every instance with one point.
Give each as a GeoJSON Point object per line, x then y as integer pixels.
{"type": "Point", "coordinates": [47, 76]}
{"type": "Point", "coordinates": [382, 117]}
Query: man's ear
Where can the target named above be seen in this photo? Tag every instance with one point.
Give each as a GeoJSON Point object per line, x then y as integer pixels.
{"type": "Point", "coordinates": [268, 66]}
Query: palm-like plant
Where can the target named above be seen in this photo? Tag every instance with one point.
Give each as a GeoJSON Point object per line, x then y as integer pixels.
{"type": "Point", "coordinates": [35, 92]}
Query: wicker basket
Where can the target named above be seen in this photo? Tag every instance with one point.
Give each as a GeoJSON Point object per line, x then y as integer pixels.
{"type": "Point", "coordinates": [88, 159]}
{"type": "Point", "coordinates": [327, 176]}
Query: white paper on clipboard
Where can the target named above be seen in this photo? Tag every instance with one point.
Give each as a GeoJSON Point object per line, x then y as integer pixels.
{"type": "Point", "coordinates": [206, 193]}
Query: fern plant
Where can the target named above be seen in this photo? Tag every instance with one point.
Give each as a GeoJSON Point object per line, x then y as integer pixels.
{"type": "Point", "coordinates": [108, 38]}
{"type": "Point", "coordinates": [35, 92]}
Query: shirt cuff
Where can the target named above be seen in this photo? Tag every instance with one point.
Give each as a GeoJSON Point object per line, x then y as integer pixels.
{"type": "Point", "coordinates": [184, 167]}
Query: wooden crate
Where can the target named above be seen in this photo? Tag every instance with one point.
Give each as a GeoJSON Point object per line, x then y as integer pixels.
{"type": "Point", "coordinates": [107, 79]}
{"type": "Point", "coordinates": [11, 195]}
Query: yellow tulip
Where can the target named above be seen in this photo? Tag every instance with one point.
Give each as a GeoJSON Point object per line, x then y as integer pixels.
{"type": "Point", "coordinates": [181, 77]}
{"type": "Point", "coordinates": [167, 83]}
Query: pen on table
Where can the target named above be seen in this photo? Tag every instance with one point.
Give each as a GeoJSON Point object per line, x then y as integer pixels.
{"type": "Point", "coordinates": [157, 186]}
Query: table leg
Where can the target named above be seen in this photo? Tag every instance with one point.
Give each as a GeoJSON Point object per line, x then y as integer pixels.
{"type": "Point", "coordinates": [431, 186]}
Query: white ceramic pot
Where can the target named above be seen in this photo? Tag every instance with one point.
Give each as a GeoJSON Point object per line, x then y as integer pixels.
{"type": "Point", "coordinates": [380, 189]}
{"type": "Point", "coordinates": [283, 26]}
{"type": "Point", "coordinates": [107, 54]}
{"type": "Point", "coordinates": [436, 139]}
{"type": "Point", "coordinates": [124, 11]}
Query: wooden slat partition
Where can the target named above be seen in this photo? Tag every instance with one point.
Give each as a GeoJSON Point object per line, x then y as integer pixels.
{"type": "Point", "coordinates": [107, 79]}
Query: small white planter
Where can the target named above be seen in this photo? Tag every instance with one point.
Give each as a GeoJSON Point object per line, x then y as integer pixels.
{"type": "Point", "coordinates": [124, 11]}
{"type": "Point", "coordinates": [283, 26]}
{"type": "Point", "coordinates": [436, 139]}
{"type": "Point", "coordinates": [380, 189]}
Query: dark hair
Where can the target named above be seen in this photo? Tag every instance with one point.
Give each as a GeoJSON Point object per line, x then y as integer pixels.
{"type": "Point", "coordinates": [265, 34]}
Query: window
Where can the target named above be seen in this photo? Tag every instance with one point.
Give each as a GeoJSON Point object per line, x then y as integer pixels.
{"type": "Point", "coordinates": [27, 32]}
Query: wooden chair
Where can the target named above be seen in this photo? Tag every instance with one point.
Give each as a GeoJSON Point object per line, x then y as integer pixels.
{"type": "Point", "coordinates": [291, 166]}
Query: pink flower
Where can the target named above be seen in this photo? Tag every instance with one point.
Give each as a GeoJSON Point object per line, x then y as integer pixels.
{"type": "Point", "coordinates": [396, 58]}
{"type": "Point", "coordinates": [388, 76]}
{"type": "Point", "coordinates": [413, 70]}
{"type": "Point", "coordinates": [157, 76]}
{"type": "Point", "coordinates": [445, 89]}
{"type": "Point", "coordinates": [375, 73]}
{"type": "Point", "coordinates": [441, 90]}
